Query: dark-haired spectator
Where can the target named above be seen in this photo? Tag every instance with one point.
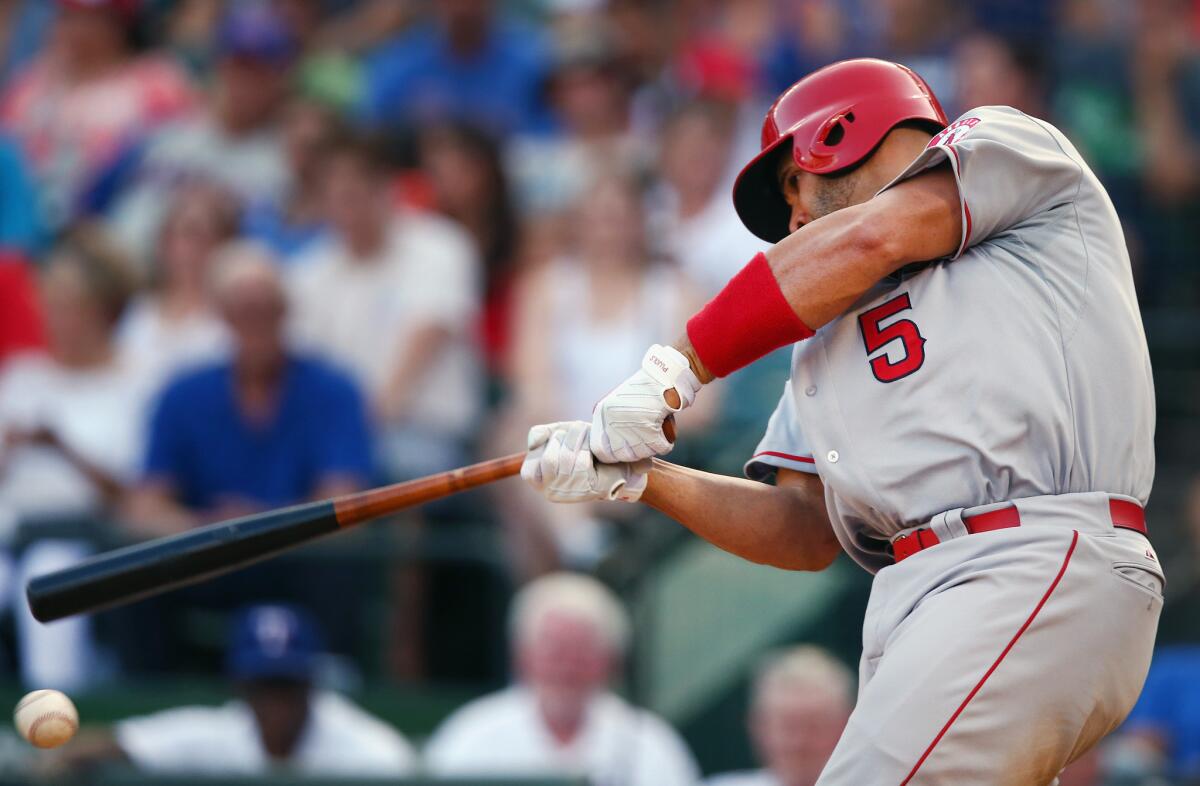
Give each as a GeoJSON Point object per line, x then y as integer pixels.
{"type": "Point", "coordinates": [697, 222]}
{"type": "Point", "coordinates": [568, 634]}
{"type": "Point", "coordinates": [992, 71]}
{"type": "Point", "coordinates": [291, 224]}
{"type": "Point", "coordinates": [590, 98]}
{"type": "Point", "coordinates": [801, 701]}
{"type": "Point", "coordinates": [233, 142]}
{"type": "Point", "coordinates": [174, 325]}
{"type": "Point", "coordinates": [280, 719]}
{"type": "Point", "coordinates": [393, 297]}
{"type": "Point", "coordinates": [265, 429]}
{"type": "Point", "coordinates": [89, 96]}
{"type": "Point", "coordinates": [70, 418]}
{"type": "Point", "coordinates": [470, 185]}
{"type": "Point", "coordinates": [467, 62]}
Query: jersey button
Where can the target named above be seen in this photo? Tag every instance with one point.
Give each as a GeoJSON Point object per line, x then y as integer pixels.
{"type": "Point", "coordinates": [832, 457]}
{"type": "Point", "coordinates": [811, 390]}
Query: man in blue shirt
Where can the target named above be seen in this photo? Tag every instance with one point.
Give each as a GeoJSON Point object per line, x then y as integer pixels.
{"type": "Point", "coordinates": [265, 429]}
{"type": "Point", "coordinates": [465, 64]}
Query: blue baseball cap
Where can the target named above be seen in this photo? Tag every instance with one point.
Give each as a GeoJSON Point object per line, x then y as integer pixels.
{"type": "Point", "coordinates": [255, 30]}
{"type": "Point", "coordinates": [273, 642]}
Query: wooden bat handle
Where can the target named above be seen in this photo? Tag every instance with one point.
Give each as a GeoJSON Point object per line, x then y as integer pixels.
{"type": "Point", "coordinates": [365, 505]}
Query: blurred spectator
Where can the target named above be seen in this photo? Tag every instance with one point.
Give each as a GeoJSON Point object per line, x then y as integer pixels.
{"type": "Point", "coordinates": [234, 142]}
{"type": "Point", "coordinates": [21, 225]}
{"type": "Point", "coordinates": [1167, 98]}
{"type": "Point", "coordinates": [1161, 737]}
{"type": "Point", "coordinates": [280, 722]}
{"type": "Point", "coordinates": [802, 700]}
{"type": "Point", "coordinates": [467, 63]}
{"type": "Point", "coordinates": [70, 416]}
{"type": "Point", "coordinates": [470, 186]}
{"type": "Point", "coordinates": [1180, 620]}
{"type": "Point", "coordinates": [24, 26]}
{"type": "Point", "coordinates": [266, 429]}
{"type": "Point", "coordinates": [991, 71]}
{"type": "Point", "coordinates": [590, 96]}
{"type": "Point", "coordinates": [810, 34]}
{"type": "Point", "coordinates": [394, 298]}
{"type": "Point", "coordinates": [87, 97]}
{"type": "Point", "coordinates": [610, 293]}
{"type": "Point", "coordinates": [569, 635]}
{"type": "Point", "coordinates": [921, 34]}
{"type": "Point", "coordinates": [174, 325]}
{"type": "Point", "coordinates": [290, 225]}
{"type": "Point", "coordinates": [698, 224]}
{"type": "Point", "coordinates": [20, 317]}
{"type": "Point", "coordinates": [607, 291]}
{"type": "Point", "coordinates": [70, 420]}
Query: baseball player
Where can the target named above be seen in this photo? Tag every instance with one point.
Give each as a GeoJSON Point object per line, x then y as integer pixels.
{"type": "Point", "coordinates": [970, 416]}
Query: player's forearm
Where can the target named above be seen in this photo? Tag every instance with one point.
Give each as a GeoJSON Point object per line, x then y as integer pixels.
{"type": "Point", "coordinates": [815, 274]}
{"type": "Point", "coordinates": [784, 527]}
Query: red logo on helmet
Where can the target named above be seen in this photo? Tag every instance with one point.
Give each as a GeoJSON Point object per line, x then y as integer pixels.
{"type": "Point", "coordinates": [954, 133]}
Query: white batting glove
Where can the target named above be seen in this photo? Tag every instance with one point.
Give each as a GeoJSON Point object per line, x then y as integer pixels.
{"type": "Point", "coordinates": [561, 468]}
{"type": "Point", "coordinates": [627, 424]}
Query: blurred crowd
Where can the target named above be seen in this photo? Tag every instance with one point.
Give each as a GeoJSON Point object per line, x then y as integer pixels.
{"type": "Point", "coordinates": [259, 252]}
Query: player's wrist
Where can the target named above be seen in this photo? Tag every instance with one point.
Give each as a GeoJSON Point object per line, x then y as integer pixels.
{"type": "Point", "coordinates": [672, 369]}
{"type": "Point", "coordinates": [748, 319]}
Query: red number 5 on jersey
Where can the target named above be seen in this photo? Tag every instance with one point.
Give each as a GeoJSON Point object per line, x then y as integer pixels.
{"type": "Point", "coordinates": [903, 330]}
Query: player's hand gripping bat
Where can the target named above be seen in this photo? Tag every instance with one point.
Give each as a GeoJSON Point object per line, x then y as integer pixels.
{"type": "Point", "coordinates": [153, 567]}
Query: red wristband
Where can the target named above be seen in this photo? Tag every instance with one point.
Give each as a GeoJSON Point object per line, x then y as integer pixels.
{"type": "Point", "coordinates": [747, 319]}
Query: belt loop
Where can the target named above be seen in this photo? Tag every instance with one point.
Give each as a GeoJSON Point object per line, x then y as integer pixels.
{"type": "Point", "coordinates": [948, 525]}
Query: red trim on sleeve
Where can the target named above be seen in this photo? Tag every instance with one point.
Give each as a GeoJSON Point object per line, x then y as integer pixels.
{"type": "Point", "coordinates": [747, 319]}
{"type": "Point", "coordinates": [979, 685]}
{"type": "Point", "coordinates": [788, 456]}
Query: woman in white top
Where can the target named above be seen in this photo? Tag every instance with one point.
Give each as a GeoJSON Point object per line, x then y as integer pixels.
{"type": "Point", "coordinates": [70, 441]}
{"type": "Point", "coordinates": [173, 325]}
{"type": "Point", "coordinates": [580, 319]}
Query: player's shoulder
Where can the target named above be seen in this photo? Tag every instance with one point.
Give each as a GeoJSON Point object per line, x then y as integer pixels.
{"type": "Point", "coordinates": [1006, 125]}
{"type": "Point", "coordinates": [184, 724]}
{"type": "Point", "coordinates": [359, 732]}
{"type": "Point", "coordinates": [649, 725]}
{"type": "Point", "coordinates": [480, 718]}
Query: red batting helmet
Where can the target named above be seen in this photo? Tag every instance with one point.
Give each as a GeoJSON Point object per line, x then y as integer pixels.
{"type": "Point", "coordinates": [833, 119]}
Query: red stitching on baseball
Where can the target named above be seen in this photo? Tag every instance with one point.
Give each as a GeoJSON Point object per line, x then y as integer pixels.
{"type": "Point", "coordinates": [53, 714]}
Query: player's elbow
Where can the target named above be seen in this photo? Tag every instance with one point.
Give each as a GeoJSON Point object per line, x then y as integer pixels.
{"type": "Point", "coordinates": [811, 549]}
{"type": "Point", "coordinates": [875, 241]}
{"type": "Point", "coordinates": [813, 558]}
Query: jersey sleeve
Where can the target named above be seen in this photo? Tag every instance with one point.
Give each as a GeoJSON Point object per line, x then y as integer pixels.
{"type": "Point", "coordinates": [1009, 167]}
{"type": "Point", "coordinates": [783, 446]}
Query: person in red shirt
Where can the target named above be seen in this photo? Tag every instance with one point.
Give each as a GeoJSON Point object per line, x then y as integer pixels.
{"type": "Point", "coordinates": [20, 318]}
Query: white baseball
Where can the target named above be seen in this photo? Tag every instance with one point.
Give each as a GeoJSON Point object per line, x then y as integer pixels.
{"type": "Point", "coordinates": [46, 718]}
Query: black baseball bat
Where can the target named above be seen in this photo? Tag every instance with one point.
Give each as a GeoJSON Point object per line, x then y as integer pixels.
{"type": "Point", "coordinates": [146, 569]}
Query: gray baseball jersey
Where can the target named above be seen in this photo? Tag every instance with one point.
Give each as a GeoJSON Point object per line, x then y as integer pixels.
{"type": "Point", "coordinates": [1015, 368]}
